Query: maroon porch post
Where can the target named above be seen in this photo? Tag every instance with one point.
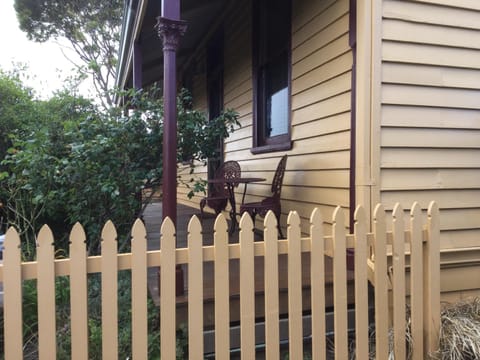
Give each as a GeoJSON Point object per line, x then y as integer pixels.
{"type": "Point", "coordinates": [170, 29]}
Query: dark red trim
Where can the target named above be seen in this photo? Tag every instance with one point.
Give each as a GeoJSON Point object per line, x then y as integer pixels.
{"type": "Point", "coordinates": [170, 29]}
{"type": "Point", "coordinates": [353, 113]}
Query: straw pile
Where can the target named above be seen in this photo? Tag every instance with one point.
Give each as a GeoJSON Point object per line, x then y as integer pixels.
{"type": "Point", "coordinates": [460, 331]}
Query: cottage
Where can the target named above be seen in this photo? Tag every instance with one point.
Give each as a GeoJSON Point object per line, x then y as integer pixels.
{"type": "Point", "coordinates": [373, 101]}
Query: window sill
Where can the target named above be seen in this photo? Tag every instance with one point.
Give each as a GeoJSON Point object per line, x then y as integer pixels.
{"type": "Point", "coordinates": [271, 148]}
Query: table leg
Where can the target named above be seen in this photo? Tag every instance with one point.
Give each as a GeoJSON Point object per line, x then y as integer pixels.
{"type": "Point", "coordinates": [233, 211]}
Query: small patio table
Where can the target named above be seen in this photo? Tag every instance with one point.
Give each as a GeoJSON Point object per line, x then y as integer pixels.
{"type": "Point", "coordinates": [231, 183]}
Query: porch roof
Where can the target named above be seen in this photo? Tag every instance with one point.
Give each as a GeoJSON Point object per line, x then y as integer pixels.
{"type": "Point", "coordinates": [140, 17]}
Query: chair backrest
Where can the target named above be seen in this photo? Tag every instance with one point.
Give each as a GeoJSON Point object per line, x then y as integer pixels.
{"type": "Point", "coordinates": [278, 177]}
{"type": "Point", "coordinates": [231, 170]}
{"type": "Point", "coordinates": [228, 170]}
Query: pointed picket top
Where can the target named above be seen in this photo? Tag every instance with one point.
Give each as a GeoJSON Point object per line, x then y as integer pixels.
{"type": "Point", "coordinates": [338, 217]}
{"type": "Point", "coordinates": [220, 225]}
{"type": "Point", "coordinates": [397, 212]}
{"type": "Point", "coordinates": [138, 231]}
{"type": "Point", "coordinates": [360, 216]}
{"type": "Point", "coordinates": [77, 238]}
{"type": "Point", "coordinates": [109, 233]}
{"type": "Point", "coordinates": [168, 227]}
{"type": "Point", "coordinates": [45, 236]}
{"type": "Point", "coordinates": [379, 213]}
{"type": "Point", "coordinates": [293, 219]}
{"type": "Point", "coordinates": [415, 211]}
{"type": "Point", "coordinates": [12, 240]}
{"type": "Point", "coordinates": [246, 222]}
{"type": "Point", "coordinates": [194, 226]}
{"type": "Point", "coordinates": [433, 211]}
{"type": "Point", "coordinates": [316, 218]}
{"type": "Point", "coordinates": [270, 221]}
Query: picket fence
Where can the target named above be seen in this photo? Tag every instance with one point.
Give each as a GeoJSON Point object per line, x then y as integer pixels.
{"type": "Point", "coordinates": [420, 242]}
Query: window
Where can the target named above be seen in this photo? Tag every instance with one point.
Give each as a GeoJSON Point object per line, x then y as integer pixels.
{"type": "Point", "coordinates": [271, 74]}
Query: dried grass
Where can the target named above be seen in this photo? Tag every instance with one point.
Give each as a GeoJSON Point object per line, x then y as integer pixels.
{"type": "Point", "coordinates": [460, 331]}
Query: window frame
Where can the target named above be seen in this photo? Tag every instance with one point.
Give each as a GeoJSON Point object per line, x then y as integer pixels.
{"type": "Point", "coordinates": [262, 143]}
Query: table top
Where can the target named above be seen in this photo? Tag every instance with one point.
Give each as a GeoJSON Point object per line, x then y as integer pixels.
{"type": "Point", "coordinates": [240, 180]}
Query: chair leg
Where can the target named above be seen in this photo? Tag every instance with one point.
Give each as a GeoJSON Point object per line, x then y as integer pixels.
{"type": "Point", "coordinates": [202, 205]}
{"type": "Point", "coordinates": [279, 227]}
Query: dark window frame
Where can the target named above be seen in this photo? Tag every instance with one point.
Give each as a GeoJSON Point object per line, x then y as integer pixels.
{"type": "Point", "coordinates": [261, 142]}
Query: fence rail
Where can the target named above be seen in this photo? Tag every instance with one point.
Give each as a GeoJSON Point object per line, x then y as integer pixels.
{"type": "Point", "coordinates": [370, 265]}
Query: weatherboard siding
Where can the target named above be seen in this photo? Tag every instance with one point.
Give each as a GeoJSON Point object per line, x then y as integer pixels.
{"type": "Point", "coordinates": [317, 173]}
{"type": "Point", "coordinates": [430, 112]}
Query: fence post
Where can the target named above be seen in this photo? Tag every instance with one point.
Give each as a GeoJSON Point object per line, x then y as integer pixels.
{"type": "Point", "coordinates": [340, 284]}
{"type": "Point", "coordinates": [272, 332]}
{"type": "Point", "coordinates": [139, 291]}
{"type": "Point", "coordinates": [195, 289]}
{"type": "Point", "coordinates": [247, 288]}
{"type": "Point", "coordinates": [167, 290]}
{"type": "Point", "coordinates": [47, 344]}
{"type": "Point", "coordinates": [78, 293]}
{"type": "Point", "coordinates": [109, 292]}
{"type": "Point", "coordinates": [381, 283]}
{"type": "Point", "coordinates": [12, 287]}
{"type": "Point", "coordinates": [398, 261]}
{"type": "Point", "coordinates": [222, 288]}
{"type": "Point", "coordinates": [432, 279]}
{"type": "Point", "coordinates": [361, 284]}
{"type": "Point", "coordinates": [416, 281]}
{"type": "Point", "coordinates": [317, 281]}
{"type": "Point", "coordinates": [295, 326]}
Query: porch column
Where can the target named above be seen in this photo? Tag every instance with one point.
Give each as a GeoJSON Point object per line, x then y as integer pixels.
{"type": "Point", "coordinates": [170, 29]}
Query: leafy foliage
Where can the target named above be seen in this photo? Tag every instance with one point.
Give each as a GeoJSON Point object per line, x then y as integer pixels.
{"type": "Point", "coordinates": [91, 27]}
{"type": "Point", "coordinates": [79, 164]}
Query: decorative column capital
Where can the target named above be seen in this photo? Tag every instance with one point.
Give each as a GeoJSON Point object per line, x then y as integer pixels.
{"type": "Point", "coordinates": [170, 31]}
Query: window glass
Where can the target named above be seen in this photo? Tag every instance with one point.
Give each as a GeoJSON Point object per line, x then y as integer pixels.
{"type": "Point", "coordinates": [272, 72]}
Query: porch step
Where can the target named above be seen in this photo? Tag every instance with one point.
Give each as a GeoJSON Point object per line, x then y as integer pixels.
{"type": "Point", "coordinates": [209, 335]}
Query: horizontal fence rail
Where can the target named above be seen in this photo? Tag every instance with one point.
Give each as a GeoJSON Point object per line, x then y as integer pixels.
{"type": "Point", "coordinates": [379, 259]}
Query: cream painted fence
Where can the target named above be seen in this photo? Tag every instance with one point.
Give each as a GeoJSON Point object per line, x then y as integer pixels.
{"type": "Point", "coordinates": [420, 241]}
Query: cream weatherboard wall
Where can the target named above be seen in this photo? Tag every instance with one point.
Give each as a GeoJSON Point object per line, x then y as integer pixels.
{"type": "Point", "coordinates": [430, 112]}
{"type": "Point", "coordinates": [317, 173]}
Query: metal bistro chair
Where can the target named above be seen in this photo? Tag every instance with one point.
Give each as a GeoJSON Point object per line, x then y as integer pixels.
{"type": "Point", "coordinates": [218, 196]}
{"type": "Point", "coordinates": [272, 202]}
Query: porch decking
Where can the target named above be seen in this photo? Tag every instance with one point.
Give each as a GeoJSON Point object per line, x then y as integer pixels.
{"type": "Point", "coordinates": [153, 220]}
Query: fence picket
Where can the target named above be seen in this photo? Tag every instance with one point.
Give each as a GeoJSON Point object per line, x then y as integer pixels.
{"type": "Point", "coordinates": [416, 281]}
{"type": "Point", "coordinates": [432, 279]}
{"type": "Point", "coordinates": [12, 296]}
{"type": "Point", "coordinates": [272, 332]}
{"type": "Point", "coordinates": [109, 292]}
{"type": "Point", "coordinates": [222, 289]}
{"type": "Point", "coordinates": [317, 276]}
{"type": "Point", "coordinates": [361, 284]}
{"type": "Point", "coordinates": [340, 284]}
{"type": "Point", "coordinates": [295, 326]}
{"type": "Point", "coordinates": [424, 282]}
{"type": "Point", "coordinates": [247, 288]}
{"type": "Point", "coordinates": [167, 290]}
{"type": "Point", "coordinates": [78, 293]}
{"type": "Point", "coordinates": [47, 345]}
{"type": "Point", "coordinates": [381, 284]}
{"type": "Point", "coordinates": [398, 260]}
{"type": "Point", "coordinates": [139, 291]}
{"type": "Point", "coordinates": [195, 290]}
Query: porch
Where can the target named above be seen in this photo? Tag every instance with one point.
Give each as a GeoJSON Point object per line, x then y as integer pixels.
{"type": "Point", "coordinates": [153, 219]}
